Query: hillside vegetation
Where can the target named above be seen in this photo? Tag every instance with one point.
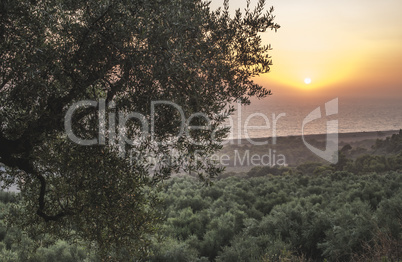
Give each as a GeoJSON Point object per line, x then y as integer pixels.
{"type": "Point", "coordinates": [350, 211]}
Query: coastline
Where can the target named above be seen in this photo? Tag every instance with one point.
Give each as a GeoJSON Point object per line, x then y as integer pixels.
{"type": "Point", "coordinates": [342, 137]}
{"type": "Point", "coordinates": [242, 155]}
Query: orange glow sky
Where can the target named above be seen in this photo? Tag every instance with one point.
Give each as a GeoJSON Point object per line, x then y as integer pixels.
{"type": "Point", "coordinates": [349, 48]}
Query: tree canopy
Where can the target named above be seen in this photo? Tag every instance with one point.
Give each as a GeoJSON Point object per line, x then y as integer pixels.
{"type": "Point", "coordinates": [123, 75]}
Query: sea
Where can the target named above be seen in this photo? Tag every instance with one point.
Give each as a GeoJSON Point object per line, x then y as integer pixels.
{"type": "Point", "coordinates": [276, 118]}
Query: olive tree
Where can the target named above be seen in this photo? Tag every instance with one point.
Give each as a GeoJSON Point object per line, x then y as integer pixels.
{"type": "Point", "coordinates": [100, 101]}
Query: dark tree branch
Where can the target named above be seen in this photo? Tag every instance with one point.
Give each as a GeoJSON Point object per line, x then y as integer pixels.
{"type": "Point", "coordinates": [26, 166]}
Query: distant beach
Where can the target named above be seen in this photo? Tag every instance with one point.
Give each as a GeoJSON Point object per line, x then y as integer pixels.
{"type": "Point", "coordinates": [342, 137]}
{"type": "Point", "coordinates": [242, 155]}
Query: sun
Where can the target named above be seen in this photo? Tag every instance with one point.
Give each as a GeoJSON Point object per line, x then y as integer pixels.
{"type": "Point", "coordinates": [307, 81]}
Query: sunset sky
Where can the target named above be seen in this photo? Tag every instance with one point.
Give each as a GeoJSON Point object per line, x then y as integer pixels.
{"type": "Point", "coordinates": [348, 48]}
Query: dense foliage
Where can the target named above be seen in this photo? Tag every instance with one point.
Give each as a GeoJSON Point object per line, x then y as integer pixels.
{"type": "Point", "coordinates": [349, 211]}
{"type": "Point", "coordinates": [392, 144]}
{"type": "Point", "coordinates": [15, 245]}
{"type": "Point", "coordinates": [117, 57]}
{"type": "Point", "coordinates": [336, 216]}
{"type": "Point", "coordinates": [308, 213]}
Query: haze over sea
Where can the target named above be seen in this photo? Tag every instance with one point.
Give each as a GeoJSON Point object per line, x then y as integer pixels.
{"type": "Point", "coordinates": [354, 115]}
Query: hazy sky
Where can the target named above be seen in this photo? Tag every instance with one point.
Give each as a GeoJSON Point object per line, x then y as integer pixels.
{"type": "Point", "coordinates": [348, 48]}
